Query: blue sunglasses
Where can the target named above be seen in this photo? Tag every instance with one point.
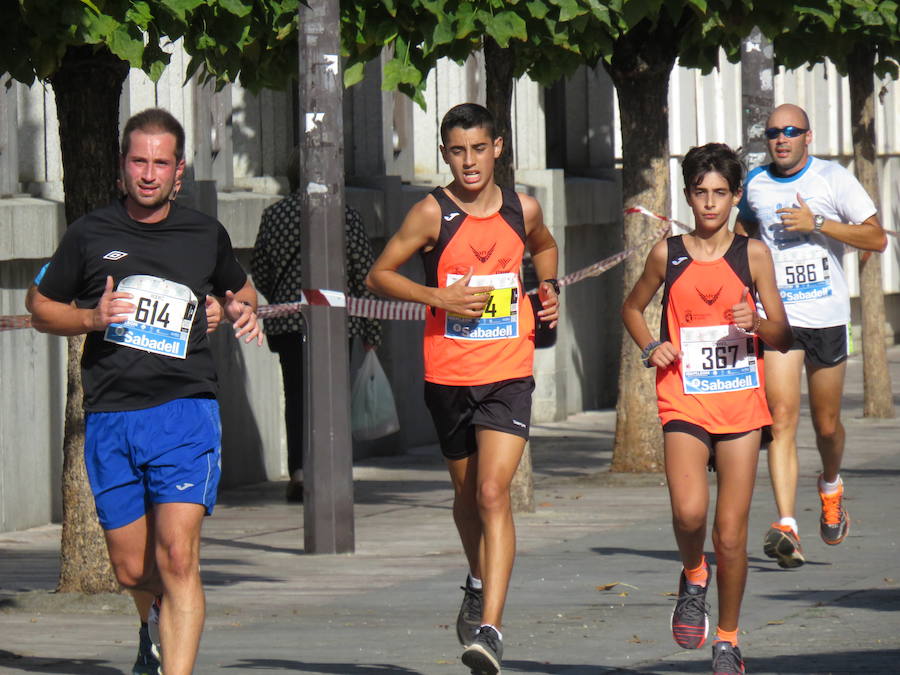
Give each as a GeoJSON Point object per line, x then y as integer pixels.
{"type": "Point", "coordinates": [789, 132]}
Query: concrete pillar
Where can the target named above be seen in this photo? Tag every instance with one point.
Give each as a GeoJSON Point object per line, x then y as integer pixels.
{"type": "Point", "coordinates": [212, 137]}
{"type": "Point", "coordinates": [378, 129]}
{"type": "Point", "coordinates": [9, 148]}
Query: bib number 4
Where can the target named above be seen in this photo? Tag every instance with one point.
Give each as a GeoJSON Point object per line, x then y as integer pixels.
{"type": "Point", "coordinates": [499, 318]}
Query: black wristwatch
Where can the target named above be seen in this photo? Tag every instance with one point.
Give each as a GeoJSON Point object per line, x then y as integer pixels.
{"type": "Point", "coordinates": [554, 283]}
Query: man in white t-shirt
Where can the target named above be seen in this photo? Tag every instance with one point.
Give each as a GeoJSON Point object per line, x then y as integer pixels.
{"type": "Point", "coordinates": [807, 210]}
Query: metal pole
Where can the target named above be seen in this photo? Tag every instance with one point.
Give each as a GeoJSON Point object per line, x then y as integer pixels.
{"type": "Point", "coordinates": [328, 453]}
{"type": "Point", "coordinates": [757, 95]}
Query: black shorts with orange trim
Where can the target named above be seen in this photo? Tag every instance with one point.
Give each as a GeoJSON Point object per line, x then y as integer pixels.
{"type": "Point", "coordinates": [457, 410]}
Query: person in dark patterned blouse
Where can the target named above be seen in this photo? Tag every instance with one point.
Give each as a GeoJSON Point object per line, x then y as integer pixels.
{"type": "Point", "coordinates": [275, 265]}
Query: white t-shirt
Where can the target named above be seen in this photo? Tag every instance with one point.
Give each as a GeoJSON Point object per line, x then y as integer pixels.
{"type": "Point", "coordinates": [808, 266]}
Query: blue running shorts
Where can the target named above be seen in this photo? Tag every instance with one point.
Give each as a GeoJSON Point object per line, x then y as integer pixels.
{"type": "Point", "coordinates": [138, 458]}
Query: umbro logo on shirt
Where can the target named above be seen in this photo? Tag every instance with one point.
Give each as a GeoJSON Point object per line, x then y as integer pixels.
{"type": "Point", "coordinates": [451, 216]}
{"type": "Point", "coordinates": [115, 255]}
{"type": "Point", "coordinates": [680, 260]}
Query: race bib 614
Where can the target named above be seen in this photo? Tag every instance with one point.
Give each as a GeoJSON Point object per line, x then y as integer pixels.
{"type": "Point", "coordinates": [162, 318]}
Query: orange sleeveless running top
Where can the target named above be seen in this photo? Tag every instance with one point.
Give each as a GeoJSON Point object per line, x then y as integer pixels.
{"type": "Point", "coordinates": [718, 384]}
{"type": "Point", "coordinates": [499, 345]}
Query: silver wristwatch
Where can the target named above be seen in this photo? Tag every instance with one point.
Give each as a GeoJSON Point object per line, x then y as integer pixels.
{"type": "Point", "coordinates": [818, 222]}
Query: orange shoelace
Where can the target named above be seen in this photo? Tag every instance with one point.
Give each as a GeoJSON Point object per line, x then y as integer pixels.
{"type": "Point", "coordinates": [832, 506]}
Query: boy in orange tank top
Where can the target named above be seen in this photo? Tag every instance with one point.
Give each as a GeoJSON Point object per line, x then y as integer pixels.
{"type": "Point", "coordinates": [710, 388]}
{"type": "Point", "coordinates": [479, 347]}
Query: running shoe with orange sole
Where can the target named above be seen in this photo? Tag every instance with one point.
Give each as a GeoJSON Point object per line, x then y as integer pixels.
{"type": "Point", "coordinates": [783, 544]}
{"type": "Point", "coordinates": [834, 523]}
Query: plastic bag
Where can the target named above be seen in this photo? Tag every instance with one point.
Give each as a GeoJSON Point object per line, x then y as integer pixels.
{"type": "Point", "coordinates": [373, 413]}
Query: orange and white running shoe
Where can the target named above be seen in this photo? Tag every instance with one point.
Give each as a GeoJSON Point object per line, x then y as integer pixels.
{"type": "Point", "coordinates": [834, 523]}
{"type": "Point", "coordinates": [782, 543]}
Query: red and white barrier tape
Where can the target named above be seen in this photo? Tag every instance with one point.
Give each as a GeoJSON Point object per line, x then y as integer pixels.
{"type": "Point", "coordinates": [14, 322]}
{"type": "Point", "coordinates": [411, 311]}
{"type": "Point", "coordinates": [607, 264]}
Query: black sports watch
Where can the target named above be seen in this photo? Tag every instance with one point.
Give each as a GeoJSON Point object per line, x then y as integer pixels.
{"type": "Point", "coordinates": [554, 283]}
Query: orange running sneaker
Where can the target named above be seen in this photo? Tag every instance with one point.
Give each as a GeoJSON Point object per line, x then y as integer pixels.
{"type": "Point", "coordinates": [834, 523]}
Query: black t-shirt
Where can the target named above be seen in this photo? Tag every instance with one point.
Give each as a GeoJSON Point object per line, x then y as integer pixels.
{"type": "Point", "coordinates": [187, 248]}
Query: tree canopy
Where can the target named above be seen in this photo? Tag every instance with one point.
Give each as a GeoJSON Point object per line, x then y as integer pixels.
{"type": "Point", "coordinates": [548, 38]}
{"type": "Point", "coordinates": [834, 29]}
{"type": "Point", "coordinates": [228, 40]}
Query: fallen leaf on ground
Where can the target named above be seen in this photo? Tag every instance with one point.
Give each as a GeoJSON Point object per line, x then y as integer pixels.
{"type": "Point", "coordinates": [606, 587]}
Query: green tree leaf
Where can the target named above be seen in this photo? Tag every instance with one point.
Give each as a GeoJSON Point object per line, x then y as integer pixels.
{"type": "Point", "coordinates": [506, 26]}
{"type": "Point", "coordinates": [354, 73]}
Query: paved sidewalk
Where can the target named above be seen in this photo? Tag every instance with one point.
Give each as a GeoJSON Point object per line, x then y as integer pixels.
{"type": "Point", "coordinates": [390, 608]}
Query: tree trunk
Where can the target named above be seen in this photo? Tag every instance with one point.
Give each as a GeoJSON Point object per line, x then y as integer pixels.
{"type": "Point", "coordinates": [87, 88]}
{"type": "Point", "coordinates": [640, 68]}
{"type": "Point", "coordinates": [877, 396]}
{"type": "Point", "coordinates": [498, 67]}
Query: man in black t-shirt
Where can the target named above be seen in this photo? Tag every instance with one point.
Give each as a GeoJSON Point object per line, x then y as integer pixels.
{"type": "Point", "coordinates": [131, 276]}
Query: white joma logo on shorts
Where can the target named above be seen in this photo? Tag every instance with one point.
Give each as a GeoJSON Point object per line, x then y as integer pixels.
{"type": "Point", "coordinates": [184, 486]}
{"type": "Point", "coordinates": [115, 255]}
{"type": "Point", "coordinates": [520, 424]}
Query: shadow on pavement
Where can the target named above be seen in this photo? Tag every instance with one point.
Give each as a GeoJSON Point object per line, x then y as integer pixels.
{"type": "Point", "coordinates": [667, 554]}
{"type": "Point", "coordinates": [562, 669]}
{"type": "Point", "coordinates": [880, 599]}
{"type": "Point", "coordinates": [246, 545]}
{"type": "Point", "coordinates": [878, 472]}
{"type": "Point", "coordinates": [365, 491]}
{"type": "Point", "coordinates": [38, 664]}
{"type": "Point", "coordinates": [337, 668]}
{"type": "Point", "coordinates": [383, 492]}
{"type": "Point", "coordinates": [834, 663]}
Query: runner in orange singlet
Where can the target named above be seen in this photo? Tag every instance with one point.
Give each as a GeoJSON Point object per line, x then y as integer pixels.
{"type": "Point", "coordinates": [479, 348]}
{"type": "Point", "coordinates": [709, 382]}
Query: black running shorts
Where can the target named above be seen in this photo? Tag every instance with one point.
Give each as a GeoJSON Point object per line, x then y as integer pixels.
{"type": "Point", "coordinates": [457, 410]}
{"type": "Point", "coordinates": [702, 435]}
{"type": "Point", "coordinates": [824, 347]}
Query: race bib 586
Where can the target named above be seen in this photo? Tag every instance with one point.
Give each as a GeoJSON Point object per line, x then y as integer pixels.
{"type": "Point", "coordinates": [802, 275]}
